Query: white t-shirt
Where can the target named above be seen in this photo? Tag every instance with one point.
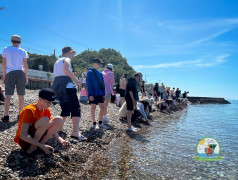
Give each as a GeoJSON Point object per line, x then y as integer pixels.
{"type": "Point", "coordinates": [59, 70]}
{"type": "Point", "coordinates": [59, 67]}
{"type": "Point", "coordinates": [84, 75]}
{"type": "Point", "coordinates": [14, 58]}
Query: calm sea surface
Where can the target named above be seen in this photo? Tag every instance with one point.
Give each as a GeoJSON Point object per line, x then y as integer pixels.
{"type": "Point", "coordinates": [167, 147]}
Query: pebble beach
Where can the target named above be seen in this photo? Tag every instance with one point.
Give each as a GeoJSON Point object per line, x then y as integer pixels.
{"type": "Point", "coordinates": [76, 162]}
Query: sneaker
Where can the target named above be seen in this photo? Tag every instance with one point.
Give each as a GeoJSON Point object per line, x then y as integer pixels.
{"type": "Point", "coordinates": [103, 126]}
{"type": "Point", "coordinates": [95, 126]}
{"type": "Point", "coordinates": [133, 129]}
{"type": "Point", "coordinates": [5, 118]}
{"type": "Point", "coordinates": [105, 120]}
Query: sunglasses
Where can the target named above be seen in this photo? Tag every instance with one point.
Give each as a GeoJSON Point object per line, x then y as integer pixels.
{"type": "Point", "coordinates": [17, 42]}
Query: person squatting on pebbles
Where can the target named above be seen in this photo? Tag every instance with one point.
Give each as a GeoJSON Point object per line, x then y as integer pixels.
{"type": "Point", "coordinates": [109, 81]}
{"type": "Point", "coordinates": [96, 92]}
{"type": "Point", "coordinates": [35, 125]}
{"type": "Point", "coordinates": [15, 73]}
{"type": "Point", "coordinates": [66, 91]}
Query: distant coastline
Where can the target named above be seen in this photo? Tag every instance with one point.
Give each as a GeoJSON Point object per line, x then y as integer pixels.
{"type": "Point", "coordinates": [207, 100]}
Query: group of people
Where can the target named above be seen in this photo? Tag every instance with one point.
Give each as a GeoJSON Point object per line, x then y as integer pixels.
{"type": "Point", "coordinates": [35, 124]}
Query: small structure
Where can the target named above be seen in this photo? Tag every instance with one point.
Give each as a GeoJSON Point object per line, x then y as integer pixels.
{"type": "Point", "coordinates": [37, 79]}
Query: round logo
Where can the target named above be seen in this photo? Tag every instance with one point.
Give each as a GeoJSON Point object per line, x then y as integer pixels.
{"type": "Point", "coordinates": [208, 148]}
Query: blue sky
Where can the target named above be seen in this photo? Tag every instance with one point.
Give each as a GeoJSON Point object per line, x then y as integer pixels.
{"type": "Point", "coordinates": [190, 44]}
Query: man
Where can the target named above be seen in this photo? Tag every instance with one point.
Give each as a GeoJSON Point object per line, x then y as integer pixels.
{"type": "Point", "coordinates": [131, 98]}
{"type": "Point", "coordinates": [66, 91]}
{"type": "Point", "coordinates": [109, 81]}
{"type": "Point", "coordinates": [15, 73]}
{"type": "Point", "coordinates": [35, 125]}
{"type": "Point", "coordinates": [96, 92]}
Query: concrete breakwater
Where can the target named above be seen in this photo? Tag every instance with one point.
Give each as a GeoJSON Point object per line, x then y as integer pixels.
{"type": "Point", "coordinates": [208, 100]}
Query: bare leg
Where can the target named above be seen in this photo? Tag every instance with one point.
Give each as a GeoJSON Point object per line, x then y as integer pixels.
{"type": "Point", "coordinates": [122, 100]}
{"type": "Point", "coordinates": [21, 102]}
{"type": "Point", "coordinates": [105, 106]}
{"type": "Point", "coordinates": [41, 126]}
{"type": "Point", "coordinates": [7, 104]}
{"type": "Point", "coordinates": [129, 115]}
{"type": "Point", "coordinates": [75, 131]}
{"type": "Point", "coordinates": [93, 108]}
{"type": "Point", "coordinates": [101, 106]}
{"type": "Point", "coordinates": [62, 126]}
{"type": "Point", "coordinates": [54, 127]}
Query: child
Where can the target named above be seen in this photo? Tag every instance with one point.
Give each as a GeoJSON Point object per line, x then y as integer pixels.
{"type": "Point", "coordinates": [84, 94]}
{"type": "Point", "coordinates": [96, 92]}
{"type": "Point", "coordinates": [35, 125]}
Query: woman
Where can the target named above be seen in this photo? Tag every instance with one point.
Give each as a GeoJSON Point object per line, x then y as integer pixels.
{"type": "Point", "coordinates": [109, 81]}
{"type": "Point", "coordinates": [122, 88]}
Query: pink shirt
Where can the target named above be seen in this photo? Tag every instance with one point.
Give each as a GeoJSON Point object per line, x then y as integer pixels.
{"type": "Point", "coordinates": [109, 81]}
{"type": "Point", "coordinates": [83, 92]}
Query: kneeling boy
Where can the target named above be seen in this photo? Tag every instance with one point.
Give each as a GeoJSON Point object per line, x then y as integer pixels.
{"type": "Point", "coordinates": [35, 125]}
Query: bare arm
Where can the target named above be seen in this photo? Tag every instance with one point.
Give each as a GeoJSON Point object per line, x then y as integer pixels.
{"type": "Point", "coordinates": [26, 137]}
{"type": "Point", "coordinates": [4, 69]}
{"type": "Point", "coordinates": [25, 69]}
{"type": "Point", "coordinates": [68, 71]}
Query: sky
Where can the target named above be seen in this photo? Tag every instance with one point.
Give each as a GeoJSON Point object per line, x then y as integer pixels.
{"type": "Point", "coordinates": [190, 44]}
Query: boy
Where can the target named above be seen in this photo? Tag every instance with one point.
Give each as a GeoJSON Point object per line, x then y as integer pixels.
{"type": "Point", "coordinates": [96, 92]}
{"type": "Point", "coordinates": [35, 125]}
{"type": "Point", "coordinates": [15, 73]}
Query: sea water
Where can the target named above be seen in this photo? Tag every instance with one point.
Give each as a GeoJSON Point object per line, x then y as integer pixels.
{"type": "Point", "coordinates": [166, 148]}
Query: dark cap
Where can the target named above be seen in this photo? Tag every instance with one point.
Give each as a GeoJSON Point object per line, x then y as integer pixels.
{"type": "Point", "coordinates": [47, 94]}
{"type": "Point", "coordinates": [68, 49]}
{"type": "Point", "coordinates": [98, 60]}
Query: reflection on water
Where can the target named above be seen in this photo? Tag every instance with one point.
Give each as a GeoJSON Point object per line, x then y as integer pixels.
{"type": "Point", "coordinates": [167, 147]}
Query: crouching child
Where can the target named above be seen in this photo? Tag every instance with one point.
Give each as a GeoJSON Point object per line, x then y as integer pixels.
{"type": "Point", "coordinates": [35, 126]}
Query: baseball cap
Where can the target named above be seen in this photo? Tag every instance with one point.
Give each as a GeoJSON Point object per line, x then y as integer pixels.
{"type": "Point", "coordinates": [110, 66]}
{"type": "Point", "coordinates": [47, 94]}
{"type": "Point", "coordinates": [68, 49]}
{"type": "Point", "coordinates": [16, 38]}
{"type": "Point", "coordinates": [98, 60]}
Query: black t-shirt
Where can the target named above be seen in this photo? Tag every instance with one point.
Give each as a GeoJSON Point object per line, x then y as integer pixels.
{"type": "Point", "coordinates": [177, 93]}
{"type": "Point", "coordinates": [131, 86]}
{"type": "Point", "coordinates": [156, 89]}
{"type": "Point", "coordinates": [185, 95]}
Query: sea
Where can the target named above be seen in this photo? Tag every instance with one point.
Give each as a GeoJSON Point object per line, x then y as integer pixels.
{"type": "Point", "coordinates": [166, 148]}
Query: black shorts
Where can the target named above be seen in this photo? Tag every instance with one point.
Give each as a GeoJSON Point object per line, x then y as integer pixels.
{"type": "Point", "coordinates": [122, 92]}
{"type": "Point", "coordinates": [97, 99]}
{"type": "Point", "coordinates": [72, 106]}
{"type": "Point", "coordinates": [31, 131]}
{"type": "Point", "coordinates": [129, 104]}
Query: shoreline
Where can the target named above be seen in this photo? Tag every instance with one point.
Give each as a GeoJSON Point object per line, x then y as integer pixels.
{"type": "Point", "coordinates": [74, 162]}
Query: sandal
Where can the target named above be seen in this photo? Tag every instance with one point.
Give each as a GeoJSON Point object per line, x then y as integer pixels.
{"type": "Point", "coordinates": [80, 138]}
